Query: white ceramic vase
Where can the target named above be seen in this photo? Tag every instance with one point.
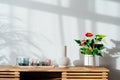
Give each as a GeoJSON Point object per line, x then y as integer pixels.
{"type": "Point", "coordinates": [89, 60]}
{"type": "Point", "coordinates": [64, 60]}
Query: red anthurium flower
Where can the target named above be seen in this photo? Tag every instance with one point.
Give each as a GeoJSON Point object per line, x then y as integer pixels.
{"type": "Point", "coordinates": [83, 42]}
{"type": "Point", "coordinates": [88, 34]}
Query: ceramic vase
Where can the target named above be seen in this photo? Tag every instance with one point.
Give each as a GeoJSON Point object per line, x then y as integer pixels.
{"type": "Point", "coordinates": [64, 60]}
{"type": "Point", "coordinates": [89, 60]}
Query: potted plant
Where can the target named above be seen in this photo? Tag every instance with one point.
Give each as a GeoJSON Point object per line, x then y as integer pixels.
{"type": "Point", "coordinates": [91, 46]}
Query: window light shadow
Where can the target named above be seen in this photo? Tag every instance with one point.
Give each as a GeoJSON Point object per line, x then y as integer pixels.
{"type": "Point", "coordinates": [107, 7]}
{"type": "Point", "coordinates": [16, 41]}
{"type": "Point", "coordinates": [83, 12]}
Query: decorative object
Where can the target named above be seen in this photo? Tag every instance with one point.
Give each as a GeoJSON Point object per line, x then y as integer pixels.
{"type": "Point", "coordinates": [22, 61]}
{"type": "Point", "coordinates": [91, 46]}
{"type": "Point", "coordinates": [89, 60]}
{"type": "Point", "coordinates": [64, 60]}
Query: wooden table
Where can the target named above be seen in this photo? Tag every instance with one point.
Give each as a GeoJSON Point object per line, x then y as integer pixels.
{"type": "Point", "coordinates": [52, 73]}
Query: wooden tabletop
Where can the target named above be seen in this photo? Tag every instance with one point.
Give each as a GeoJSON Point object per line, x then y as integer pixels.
{"type": "Point", "coordinates": [51, 69]}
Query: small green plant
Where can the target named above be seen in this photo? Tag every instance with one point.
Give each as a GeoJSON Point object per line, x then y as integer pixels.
{"type": "Point", "coordinates": [91, 46]}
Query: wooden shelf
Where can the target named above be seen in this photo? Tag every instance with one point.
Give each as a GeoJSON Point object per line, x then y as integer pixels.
{"type": "Point", "coordinates": [53, 73]}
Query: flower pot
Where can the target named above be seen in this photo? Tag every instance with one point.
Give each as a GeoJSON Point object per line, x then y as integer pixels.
{"type": "Point", "coordinates": [89, 60]}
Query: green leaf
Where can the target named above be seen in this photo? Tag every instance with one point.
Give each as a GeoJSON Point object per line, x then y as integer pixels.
{"type": "Point", "coordinates": [88, 42]}
{"type": "Point", "coordinates": [100, 54]}
{"type": "Point", "coordinates": [95, 52]}
{"type": "Point", "coordinates": [86, 50]}
{"type": "Point", "coordinates": [82, 52]}
{"type": "Point", "coordinates": [78, 42]}
{"type": "Point", "coordinates": [92, 43]}
{"type": "Point", "coordinates": [99, 37]}
{"type": "Point", "coordinates": [100, 46]}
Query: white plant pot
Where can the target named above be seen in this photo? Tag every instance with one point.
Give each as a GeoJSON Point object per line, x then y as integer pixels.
{"type": "Point", "coordinates": [89, 60]}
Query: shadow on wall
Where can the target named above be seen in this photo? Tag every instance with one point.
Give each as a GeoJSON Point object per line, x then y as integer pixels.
{"type": "Point", "coordinates": [112, 61]}
{"type": "Point", "coordinates": [14, 41]}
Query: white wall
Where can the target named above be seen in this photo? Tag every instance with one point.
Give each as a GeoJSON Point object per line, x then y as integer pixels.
{"type": "Point", "coordinates": [41, 28]}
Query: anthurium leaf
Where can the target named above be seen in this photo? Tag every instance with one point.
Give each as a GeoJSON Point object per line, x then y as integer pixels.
{"type": "Point", "coordinates": [100, 46]}
{"type": "Point", "coordinates": [100, 54]}
{"type": "Point", "coordinates": [92, 43]}
{"type": "Point", "coordinates": [88, 42]}
{"type": "Point", "coordinates": [99, 37]}
{"type": "Point", "coordinates": [82, 52]}
{"type": "Point", "coordinates": [95, 52]}
{"type": "Point", "coordinates": [78, 42]}
{"type": "Point", "coordinates": [85, 50]}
